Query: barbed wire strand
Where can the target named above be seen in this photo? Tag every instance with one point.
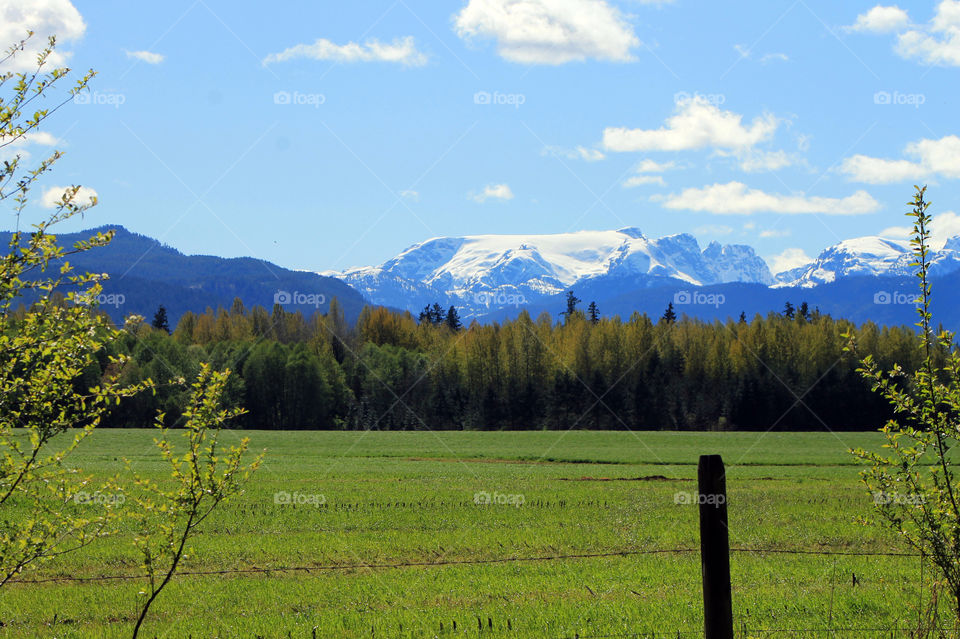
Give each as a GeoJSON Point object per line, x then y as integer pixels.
{"type": "Point", "coordinates": [464, 562]}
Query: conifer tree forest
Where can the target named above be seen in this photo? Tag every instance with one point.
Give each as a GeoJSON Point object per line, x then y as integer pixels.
{"type": "Point", "coordinates": [783, 371]}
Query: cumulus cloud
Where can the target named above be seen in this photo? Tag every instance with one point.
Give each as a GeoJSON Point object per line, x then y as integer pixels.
{"type": "Point", "coordinates": [579, 153]}
{"type": "Point", "coordinates": [944, 226]}
{"type": "Point", "coordinates": [51, 197]}
{"type": "Point", "coordinates": [400, 51]}
{"type": "Point", "coordinates": [19, 146]}
{"type": "Point", "coordinates": [145, 56]}
{"type": "Point", "coordinates": [697, 124]}
{"type": "Point", "coordinates": [41, 138]}
{"type": "Point", "coordinates": [932, 158]}
{"type": "Point", "coordinates": [789, 259]}
{"type": "Point", "coordinates": [639, 180]}
{"type": "Point", "coordinates": [645, 167]}
{"type": "Point", "coordinates": [937, 43]}
{"type": "Point", "coordinates": [44, 18]}
{"type": "Point", "coordinates": [549, 31]}
{"type": "Point", "coordinates": [651, 166]}
{"type": "Point", "coordinates": [493, 191]}
{"type": "Point", "coordinates": [881, 19]}
{"type": "Point", "coordinates": [767, 233]}
{"type": "Point", "coordinates": [752, 161]}
{"type": "Point", "coordinates": [734, 198]}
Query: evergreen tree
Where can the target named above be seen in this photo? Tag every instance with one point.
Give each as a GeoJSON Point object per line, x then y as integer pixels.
{"type": "Point", "coordinates": [426, 315]}
{"type": "Point", "coordinates": [453, 319]}
{"type": "Point", "coordinates": [669, 316]}
{"type": "Point", "coordinates": [788, 310]}
{"type": "Point", "coordinates": [804, 310]}
{"type": "Point", "coordinates": [743, 317]}
{"type": "Point", "coordinates": [160, 320]}
{"type": "Point", "coordinates": [572, 301]}
{"type": "Point", "coordinates": [593, 313]}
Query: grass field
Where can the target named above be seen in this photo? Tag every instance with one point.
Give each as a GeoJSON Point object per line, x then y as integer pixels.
{"type": "Point", "coordinates": [409, 498]}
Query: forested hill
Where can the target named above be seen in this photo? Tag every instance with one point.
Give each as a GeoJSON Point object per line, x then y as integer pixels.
{"type": "Point", "coordinates": [782, 371]}
{"type": "Point", "coordinates": [144, 274]}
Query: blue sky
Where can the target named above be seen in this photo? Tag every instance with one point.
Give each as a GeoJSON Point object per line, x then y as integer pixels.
{"type": "Point", "coordinates": [323, 135]}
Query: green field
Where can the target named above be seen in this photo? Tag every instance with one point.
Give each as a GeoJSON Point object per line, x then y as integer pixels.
{"type": "Point", "coordinates": [408, 498]}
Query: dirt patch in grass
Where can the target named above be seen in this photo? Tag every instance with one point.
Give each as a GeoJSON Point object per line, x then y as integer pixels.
{"type": "Point", "coordinates": [647, 478]}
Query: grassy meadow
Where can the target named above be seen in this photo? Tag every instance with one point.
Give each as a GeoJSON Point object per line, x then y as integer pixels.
{"type": "Point", "coordinates": [389, 498]}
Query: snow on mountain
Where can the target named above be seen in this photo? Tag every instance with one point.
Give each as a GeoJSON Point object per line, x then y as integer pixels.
{"type": "Point", "coordinates": [481, 272]}
{"type": "Point", "coordinates": [870, 255]}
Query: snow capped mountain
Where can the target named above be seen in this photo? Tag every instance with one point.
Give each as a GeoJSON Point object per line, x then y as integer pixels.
{"type": "Point", "coordinates": [870, 255]}
{"type": "Point", "coordinates": [480, 272]}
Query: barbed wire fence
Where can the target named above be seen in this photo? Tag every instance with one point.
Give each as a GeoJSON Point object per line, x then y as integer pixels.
{"type": "Point", "coordinates": [745, 627]}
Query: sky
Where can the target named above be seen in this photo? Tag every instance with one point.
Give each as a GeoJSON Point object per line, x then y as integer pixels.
{"type": "Point", "coordinates": [325, 135]}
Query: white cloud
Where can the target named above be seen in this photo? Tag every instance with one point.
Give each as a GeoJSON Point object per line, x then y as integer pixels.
{"type": "Point", "coordinates": [938, 42]}
{"type": "Point", "coordinates": [944, 226]}
{"type": "Point", "coordinates": [651, 166]}
{"type": "Point", "coordinates": [33, 137]}
{"type": "Point", "coordinates": [734, 198]}
{"type": "Point", "coordinates": [145, 56]}
{"type": "Point", "coordinates": [775, 233]}
{"type": "Point", "coordinates": [753, 161]}
{"type": "Point", "coordinates": [774, 57]}
{"type": "Point", "coordinates": [648, 166]}
{"type": "Point", "coordinates": [549, 31]}
{"type": "Point", "coordinates": [590, 155]}
{"type": "Point", "coordinates": [881, 19]}
{"type": "Point", "coordinates": [932, 158]}
{"type": "Point", "coordinates": [789, 259]}
{"type": "Point", "coordinates": [410, 195]}
{"type": "Point", "coordinates": [401, 51]}
{"type": "Point", "coordinates": [44, 18]}
{"type": "Point", "coordinates": [494, 191]}
{"type": "Point", "coordinates": [20, 146]}
{"type": "Point", "coordinates": [579, 153]}
{"type": "Point", "coordinates": [51, 196]}
{"type": "Point", "coordinates": [697, 124]}
{"type": "Point", "coordinates": [639, 180]}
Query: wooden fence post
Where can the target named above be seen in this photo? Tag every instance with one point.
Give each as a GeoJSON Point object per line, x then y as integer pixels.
{"type": "Point", "coordinates": [714, 548]}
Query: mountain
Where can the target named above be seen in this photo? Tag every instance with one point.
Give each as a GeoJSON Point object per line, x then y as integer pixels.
{"type": "Point", "coordinates": [145, 273]}
{"type": "Point", "coordinates": [480, 273]}
{"type": "Point", "coordinates": [492, 277]}
{"type": "Point", "coordinates": [869, 256]}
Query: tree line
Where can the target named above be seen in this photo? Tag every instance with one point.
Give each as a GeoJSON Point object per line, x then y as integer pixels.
{"type": "Point", "coordinates": [391, 370]}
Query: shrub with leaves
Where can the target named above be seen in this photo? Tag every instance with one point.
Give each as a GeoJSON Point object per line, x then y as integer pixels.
{"type": "Point", "coordinates": [46, 352]}
{"type": "Point", "coordinates": [914, 485]}
{"type": "Point", "coordinates": [204, 473]}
